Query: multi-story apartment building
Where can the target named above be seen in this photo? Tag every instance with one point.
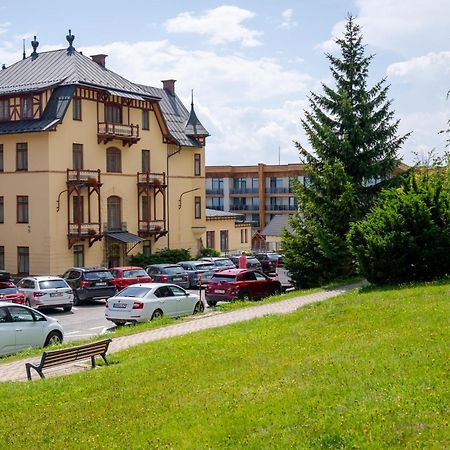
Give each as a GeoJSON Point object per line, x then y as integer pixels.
{"type": "Point", "coordinates": [260, 192]}
{"type": "Point", "coordinates": [94, 167]}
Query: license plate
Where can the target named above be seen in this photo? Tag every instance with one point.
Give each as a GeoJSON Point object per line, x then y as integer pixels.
{"type": "Point", "coordinates": [55, 294]}
{"type": "Point", "coordinates": [177, 279]}
{"type": "Point", "coordinates": [101, 284]}
{"type": "Point", "coordinates": [219, 291]}
{"type": "Point", "coordinates": [119, 305]}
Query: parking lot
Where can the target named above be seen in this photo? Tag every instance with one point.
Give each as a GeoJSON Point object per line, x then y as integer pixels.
{"type": "Point", "coordinates": [88, 319]}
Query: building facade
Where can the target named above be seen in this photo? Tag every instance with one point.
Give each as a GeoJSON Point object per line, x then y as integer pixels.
{"type": "Point", "coordinates": [94, 167]}
{"type": "Point", "coordinates": [259, 192]}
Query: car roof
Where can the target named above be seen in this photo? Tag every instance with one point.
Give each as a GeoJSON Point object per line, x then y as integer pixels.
{"type": "Point", "coordinates": [43, 278]}
{"type": "Point", "coordinates": [150, 285]}
{"type": "Point", "coordinates": [126, 268]}
{"type": "Point", "coordinates": [234, 271]}
{"type": "Point", "coordinates": [89, 269]}
{"type": "Point", "coordinates": [163, 265]}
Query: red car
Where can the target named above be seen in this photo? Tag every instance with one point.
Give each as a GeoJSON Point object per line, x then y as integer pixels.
{"type": "Point", "coordinates": [10, 293]}
{"type": "Point", "coordinates": [244, 284]}
{"type": "Point", "coordinates": [124, 276]}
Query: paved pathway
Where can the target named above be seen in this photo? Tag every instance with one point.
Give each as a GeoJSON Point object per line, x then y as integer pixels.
{"type": "Point", "coordinates": [15, 371]}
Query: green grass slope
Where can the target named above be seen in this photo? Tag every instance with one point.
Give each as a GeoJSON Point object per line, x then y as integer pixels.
{"type": "Point", "coordinates": [365, 370]}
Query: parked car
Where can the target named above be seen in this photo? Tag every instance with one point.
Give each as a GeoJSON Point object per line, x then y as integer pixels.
{"type": "Point", "coordinates": [125, 276]}
{"type": "Point", "coordinates": [22, 327]}
{"type": "Point", "coordinates": [252, 263]}
{"type": "Point", "coordinates": [46, 292]}
{"type": "Point", "coordinates": [10, 293]}
{"type": "Point", "coordinates": [268, 263]}
{"type": "Point", "coordinates": [168, 273]}
{"type": "Point", "coordinates": [148, 301]}
{"type": "Point", "coordinates": [195, 269]}
{"type": "Point", "coordinates": [221, 262]}
{"type": "Point", "coordinates": [244, 284]}
{"type": "Point", "coordinates": [90, 283]}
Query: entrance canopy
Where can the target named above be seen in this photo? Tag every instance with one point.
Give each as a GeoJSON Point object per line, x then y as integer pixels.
{"type": "Point", "coordinates": [124, 237]}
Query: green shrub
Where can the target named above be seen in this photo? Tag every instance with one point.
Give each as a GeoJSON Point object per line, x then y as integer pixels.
{"type": "Point", "coordinates": [165, 255]}
{"type": "Point", "coordinates": [406, 236]}
{"type": "Point", "coordinates": [208, 252]}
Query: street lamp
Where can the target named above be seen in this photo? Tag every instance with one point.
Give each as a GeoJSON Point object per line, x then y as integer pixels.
{"type": "Point", "coordinates": [185, 192]}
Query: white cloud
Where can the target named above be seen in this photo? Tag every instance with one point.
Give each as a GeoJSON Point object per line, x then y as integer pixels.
{"type": "Point", "coordinates": [222, 25]}
{"type": "Point", "coordinates": [431, 65]}
{"type": "Point", "coordinates": [288, 21]}
{"type": "Point", "coordinates": [4, 27]}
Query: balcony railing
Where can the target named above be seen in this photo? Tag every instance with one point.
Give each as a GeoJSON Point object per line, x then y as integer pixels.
{"type": "Point", "coordinates": [83, 177]}
{"type": "Point", "coordinates": [214, 191]}
{"type": "Point", "coordinates": [106, 132]}
{"type": "Point", "coordinates": [84, 229]}
{"type": "Point", "coordinates": [279, 190]}
{"type": "Point", "coordinates": [215, 207]}
{"type": "Point", "coordinates": [253, 191]}
{"type": "Point", "coordinates": [281, 208]}
{"type": "Point", "coordinates": [147, 227]}
{"type": "Point", "coordinates": [244, 207]}
{"type": "Point", "coordinates": [151, 179]}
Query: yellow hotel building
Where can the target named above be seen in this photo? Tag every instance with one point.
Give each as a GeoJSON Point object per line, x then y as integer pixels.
{"type": "Point", "coordinates": [94, 167]}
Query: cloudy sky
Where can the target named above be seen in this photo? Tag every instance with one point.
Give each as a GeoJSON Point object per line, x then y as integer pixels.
{"type": "Point", "coordinates": [252, 63]}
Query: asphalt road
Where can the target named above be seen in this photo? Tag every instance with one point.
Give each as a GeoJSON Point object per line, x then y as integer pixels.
{"type": "Point", "coordinates": [88, 319]}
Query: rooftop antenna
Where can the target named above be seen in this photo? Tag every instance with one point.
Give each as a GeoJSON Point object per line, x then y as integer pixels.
{"type": "Point", "coordinates": [192, 98]}
{"type": "Point", "coordinates": [279, 156]}
{"type": "Point", "coordinates": [23, 54]}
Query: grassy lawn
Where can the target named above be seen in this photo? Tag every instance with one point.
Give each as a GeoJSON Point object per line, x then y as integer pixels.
{"type": "Point", "coordinates": [367, 369]}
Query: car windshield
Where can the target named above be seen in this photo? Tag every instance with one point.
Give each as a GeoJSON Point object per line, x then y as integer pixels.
{"type": "Point", "coordinates": [135, 273]}
{"type": "Point", "coordinates": [8, 290]}
{"type": "Point", "coordinates": [205, 266]}
{"type": "Point", "coordinates": [101, 274]}
{"type": "Point", "coordinates": [52, 284]}
{"type": "Point", "coordinates": [134, 291]}
{"type": "Point", "coordinates": [221, 278]}
{"type": "Point", "coordinates": [223, 262]}
{"type": "Point", "coordinates": [174, 270]}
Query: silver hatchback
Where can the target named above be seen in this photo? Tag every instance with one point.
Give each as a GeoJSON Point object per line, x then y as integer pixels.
{"type": "Point", "coordinates": [46, 292]}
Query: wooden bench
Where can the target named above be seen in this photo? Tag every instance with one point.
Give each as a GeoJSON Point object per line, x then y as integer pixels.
{"type": "Point", "coordinates": [57, 357]}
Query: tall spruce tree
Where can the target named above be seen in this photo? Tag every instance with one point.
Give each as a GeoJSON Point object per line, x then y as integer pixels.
{"type": "Point", "coordinates": [353, 136]}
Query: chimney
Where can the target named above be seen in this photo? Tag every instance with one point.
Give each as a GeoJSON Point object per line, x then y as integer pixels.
{"type": "Point", "coordinates": [99, 59]}
{"type": "Point", "coordinates": [169, 85]}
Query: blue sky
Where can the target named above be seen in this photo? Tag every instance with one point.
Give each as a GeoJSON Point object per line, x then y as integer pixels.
{"type": "Point", "coordinates": [252, 63]}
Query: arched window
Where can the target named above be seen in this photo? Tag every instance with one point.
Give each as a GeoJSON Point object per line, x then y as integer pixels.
{"type": "Point", "coordinates": [113, 160]}
{"type": "Point", "coordinates": [114, 207]}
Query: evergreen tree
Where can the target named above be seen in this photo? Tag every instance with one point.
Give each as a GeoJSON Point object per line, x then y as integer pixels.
{"type": "Point", "coordinates": [354, 141]}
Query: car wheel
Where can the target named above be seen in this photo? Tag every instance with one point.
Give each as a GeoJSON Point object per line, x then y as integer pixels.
{"type": "Point", "coordinates": [245, 296]}
{"type": "Point", "coordinates": [76, 299]}
{"type": "Point", "coordinates": [199, 307]}
{"type": "Point", "coordinates": [119, 323]}
{"type": "Point", "coordinates": [54, 337]}
{"type": "Point", "coordinates": [67, 308]}
{"type": "Point", "coordinates": [211, 302]}
{"type": "Point", "coordinates": [157, 314]}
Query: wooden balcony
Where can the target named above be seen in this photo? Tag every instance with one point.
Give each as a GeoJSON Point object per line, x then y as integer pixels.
{"type": "Point", "coordinates": [82, 178]}
{"type": "Point", "coordinates": [128, 134]}
{"type": "Point", "coordinates": [155, 180]}
{"type": "Point", "coordinates": [79, 232]}
{"type": "Point", "coordinates": [148, 228]}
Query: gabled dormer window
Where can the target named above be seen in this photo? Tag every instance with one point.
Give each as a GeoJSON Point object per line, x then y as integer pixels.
{"type": "Point", "coordinates": [26, 107]}
{"type": "Point", "coordinates": [4, 110]}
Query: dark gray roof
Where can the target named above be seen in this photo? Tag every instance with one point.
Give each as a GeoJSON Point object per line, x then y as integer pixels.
{"type": "Point", "coordinates": [193, 126]}
{"type": "Point", "coordinates": [53, 114]}
{"type": "Point", "coordinates": [62, 68]}
{"type": "Point", "coordinates": [213, 213]}
{"type": "Point", "coordinates": [124, 236]}
{"type": "Point", "coordinates": [175, 114]}
{"type": "Point", "coordinates": [276, 225]}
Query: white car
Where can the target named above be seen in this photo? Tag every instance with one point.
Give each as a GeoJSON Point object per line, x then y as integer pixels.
{"type": "Point", "coordinates": [147, 301]}
{"type": "Point", "coordinates": [22, 327]}
{"type": "Point", "coordinates": [46, 292]}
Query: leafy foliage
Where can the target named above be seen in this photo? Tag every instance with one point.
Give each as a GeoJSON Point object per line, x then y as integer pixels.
{"type": "Point", "coordinates": [406, 237]}
{"type": "Point", "coordinates": [204, 252]}
{"type": "Point", "coordinates": [354, 141]}
{"type": "Point", "coordinates": [165, 255]}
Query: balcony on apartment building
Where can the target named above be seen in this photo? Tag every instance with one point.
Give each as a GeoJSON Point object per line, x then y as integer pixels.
{"type": "Point", "coordinates": [279, 190]}
{"type": "Point", "coordinates": [214, 191]}
{"type": "Point", "coordinates": [82, 178]}
{"type": "Point", "coordinates": [281, 208]}
{"type": "Point", "coordinates": [107, 131]}
{"type": "Point", "coordinates": [151, 228]}
{"type": "Point", "coordinates": [244, 191]}
{"type": "Point", "coordinates": [251, 207]}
